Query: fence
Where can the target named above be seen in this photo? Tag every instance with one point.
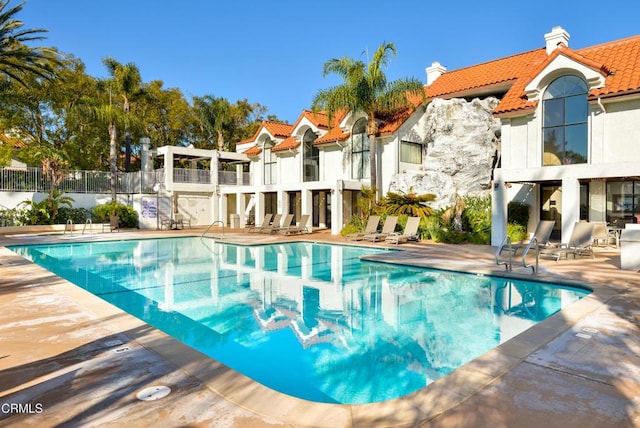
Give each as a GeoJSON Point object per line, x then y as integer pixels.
{"type": "Point", "coordinates": [31, 179]}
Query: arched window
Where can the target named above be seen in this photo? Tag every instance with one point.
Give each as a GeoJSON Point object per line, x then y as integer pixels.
{"type": "Point", "coordinates": [310, 157]}
{"type": "Point", "coordinates": [564, 128]}
{"type": "Point", "coordinates": [270, 162]}
{"type": "Point", "coordinates": [360, 150]}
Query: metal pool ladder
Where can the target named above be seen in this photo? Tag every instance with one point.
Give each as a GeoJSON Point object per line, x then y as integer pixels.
{"type": "Point", "coordinates": [508, 263]}
{"type": "Point", "coordinates": [210, 226]}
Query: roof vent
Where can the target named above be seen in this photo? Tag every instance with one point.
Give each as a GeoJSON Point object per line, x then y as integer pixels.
{"type": "Point", "coordinates": [555, 37]}
{"type": "Point", "coordinates": [435, 71]}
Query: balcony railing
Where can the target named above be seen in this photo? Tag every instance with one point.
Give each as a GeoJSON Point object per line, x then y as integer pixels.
{"type": "Point", "coordinates": [184, 175]}
{"type": "Point", "coordinates": [31, 179]}
{"type": "Point", "coordinates": [231, 178]}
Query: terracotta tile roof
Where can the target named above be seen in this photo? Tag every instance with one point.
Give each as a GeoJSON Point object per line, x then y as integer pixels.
{"type": "Point", "coordinates": [277, 129]}
{"type": "Point", "coordinates": [288, 143]}
{"type": "Point", "coordinates": [319, 119]}
{"type": "Point", "coordinates": [16, 144]}
{"type": "Point", "coordinates": [335, 134]}
{"type": "Point", "coordinates": [488, 75]}
{"type": "Point", "coordinates": [622, 58]}
{"type": "Point", "coordinates": [253, 151]}
{"type": "Point", "coordinates": [619, 61]}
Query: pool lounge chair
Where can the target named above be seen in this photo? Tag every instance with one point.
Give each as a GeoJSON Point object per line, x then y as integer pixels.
{"type": "Point", "coordinates": [257, 227]}
{"type": "Point", "coordinates": [542, 234]}
{"type": "Point", "coordinates": [300, 228]}
{"type": "Point", "coordinates": [180, 221]}
{"type": "Point", "coordinates": [580, 243]}
{"type": "Point", "coordinates": [275, 222]}
{"type": "Point", "coordinates": [410, 232]}
{"type": "Point", "coordinates": [388, 228]}
{"type": "Point", "coordinates": [603, 235]}
{"type": "Point", "coordinates": [372, 227]}
{"type": "Point", "coordinates": [275, 227]}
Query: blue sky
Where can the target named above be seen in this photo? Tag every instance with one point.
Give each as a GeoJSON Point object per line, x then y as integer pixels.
{"type": "Point", "coordinates": [273, 52]}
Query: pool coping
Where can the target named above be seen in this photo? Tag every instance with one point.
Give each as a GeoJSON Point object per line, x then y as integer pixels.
{"type": "Point", "coordinates": [421, 406]}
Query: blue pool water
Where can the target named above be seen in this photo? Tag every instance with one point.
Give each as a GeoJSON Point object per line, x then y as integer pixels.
{"type": "Point", "coordinates": [309, 320]}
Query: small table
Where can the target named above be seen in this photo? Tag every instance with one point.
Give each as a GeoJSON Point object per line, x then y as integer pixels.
{"type": "Point", "coordinates": [616, 233]}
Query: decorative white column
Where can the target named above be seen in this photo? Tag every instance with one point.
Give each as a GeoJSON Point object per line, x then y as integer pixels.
{"type": "Point", "coordinates": [498, 210]}
{"type": "Point", "coordinates": [570, 206]}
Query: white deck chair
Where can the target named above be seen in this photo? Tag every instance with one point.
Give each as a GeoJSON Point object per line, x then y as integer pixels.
{"type": "Point", "coordinates": [300, 228]}
{"type": "Point", "coordinates": [580, 243]}
{"type": "Point", "coordinates": [257, 227]}
{"type": "Point", "coordinates": [410, 232]}
{"type": "Point", "coordinates": [372, 227]}
{"type": "Point", "coordinates": [275, 227]}
{"type": "Point", "coordinates": [388, 228]}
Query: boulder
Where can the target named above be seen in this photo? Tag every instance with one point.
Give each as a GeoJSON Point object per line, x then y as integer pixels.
{"type": "Point", "coordinates": [462, 139]}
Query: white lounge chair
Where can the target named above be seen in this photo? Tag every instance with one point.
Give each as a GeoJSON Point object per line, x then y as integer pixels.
{"type": "Point", "coordinates": [372, 227]}
{"type": "Point", "coordinates": [274, 223]}
{"type": "Point", "coordinates": [265, 223]}
{"type": "Point", "coordinates": [300, 228]}
{"type": "Point", "coordinates": [580, 243]}
{"type": "Point", "coordinates": [542, 234]}
{"type": "Point", "coordinates": [275, 227]}
{"type": "Point", "coordinates": [410, 232]}
{"type": "Point", "coordinates": [388, 228]}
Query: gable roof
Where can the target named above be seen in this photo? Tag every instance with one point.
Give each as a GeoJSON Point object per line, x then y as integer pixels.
{"type": "Point", "coordinates": [486, 76]}
{"type": "Point", "coordinates": [16, 144]}
{"type": "Point", "coordinates": [276, 129]}
{"type": "Point", "coordinates": [617, 61]}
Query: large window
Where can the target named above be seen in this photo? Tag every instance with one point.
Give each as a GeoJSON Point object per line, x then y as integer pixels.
{"type": "Point", "coordinates": [311, 157]}
{"type": "Point", "coordinates": [410, 152]}
{"type": "Point", "coordinates": [360, 150]}
{"type": "Point", "coordinates": [270, 162]}
{"type": "Point", "coordinates": [564, 128]}
{"type": "Point", "coordinates": [623, 201]}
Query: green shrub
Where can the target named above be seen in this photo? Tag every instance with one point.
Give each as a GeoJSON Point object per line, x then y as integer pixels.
{"type": "Point", "coordinates": [44, 212]}
{"type": "Point", "coordinates": [518, 213]}
{"type": "Point", "coordinates": [77, 215]}
{"type": "Point", "coordinates": [102, 213]}
{"type": "Point", "coordinates": [348, 229]}
{"type": "Point", "coordinates": [476, 219]}
{"type": "Point", "coordinates": [516, 232]}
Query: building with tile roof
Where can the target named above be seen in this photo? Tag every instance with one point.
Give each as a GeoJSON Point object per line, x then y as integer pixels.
{"type": "Point", "coordinates": [570, 120]}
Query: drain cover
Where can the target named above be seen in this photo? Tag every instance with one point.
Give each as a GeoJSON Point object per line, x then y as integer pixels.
{"type": "Point", "coordinates": [153, 393]}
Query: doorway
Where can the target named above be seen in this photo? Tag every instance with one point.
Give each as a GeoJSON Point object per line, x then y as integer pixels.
{"type": "Point", "coordinates": [551, 207]}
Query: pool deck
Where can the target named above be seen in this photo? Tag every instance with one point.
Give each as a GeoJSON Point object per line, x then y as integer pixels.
{"type": "Point", "coordinates": [68, 358]}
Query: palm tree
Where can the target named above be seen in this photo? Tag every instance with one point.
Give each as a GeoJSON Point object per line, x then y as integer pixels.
{"type": "Point", "coordinates": [16, 58]}
{"type": "Point", "coordinates": [365, 89]}
{"type": "Point", "coordinates": [128, 84]}
{"type": "Point", "coordinates": [409, 203]}
{"type": "Point", "coordinates": [214, 115]}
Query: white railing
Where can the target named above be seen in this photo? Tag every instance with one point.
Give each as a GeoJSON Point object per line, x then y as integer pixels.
{"type": "Point", "coordinates": [31, 179]}
{"type": "Point", "coordinates": [184, 175]}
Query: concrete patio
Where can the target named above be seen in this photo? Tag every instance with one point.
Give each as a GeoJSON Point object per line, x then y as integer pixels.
{"type": "Point", "coordinates": [68, 358]}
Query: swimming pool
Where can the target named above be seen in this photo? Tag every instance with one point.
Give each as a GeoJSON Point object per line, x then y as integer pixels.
{"type": "Point", "coordinates": [309, 320]}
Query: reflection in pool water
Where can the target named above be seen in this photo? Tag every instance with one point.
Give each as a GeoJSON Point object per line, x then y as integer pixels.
{"type": "Point", "coordinates": [309, 320]}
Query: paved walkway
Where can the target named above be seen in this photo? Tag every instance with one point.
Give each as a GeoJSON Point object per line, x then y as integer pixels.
{"type": "Point", "coordinates": [69, 359]}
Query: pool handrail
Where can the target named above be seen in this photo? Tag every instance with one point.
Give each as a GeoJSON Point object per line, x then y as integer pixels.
{"type": "Point", "coordinates": [534, 268]}
{"type": "Point", "coordinates": [507, 264]}
{"type": "Point", "coordinates": [211, 225]}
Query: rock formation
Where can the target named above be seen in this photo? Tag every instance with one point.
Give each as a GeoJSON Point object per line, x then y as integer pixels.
{"type": "Point", "coordinates": [462, 138]}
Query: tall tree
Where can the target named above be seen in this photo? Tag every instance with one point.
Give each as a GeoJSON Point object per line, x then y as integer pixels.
{"type": "Point", "coordinates": [215, 116]}
{"type": "Point", "coordinates": [127, 82]}
{"type": "Point", "coordinates": [16, 58]}
{"type": "Point", "coordinates": [365, 89]}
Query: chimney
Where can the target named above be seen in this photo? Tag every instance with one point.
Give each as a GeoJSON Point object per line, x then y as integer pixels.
{"type": "Point", "coordinates": [555, 37]}
{"type": "Point", "coordinates": [435, 71]}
